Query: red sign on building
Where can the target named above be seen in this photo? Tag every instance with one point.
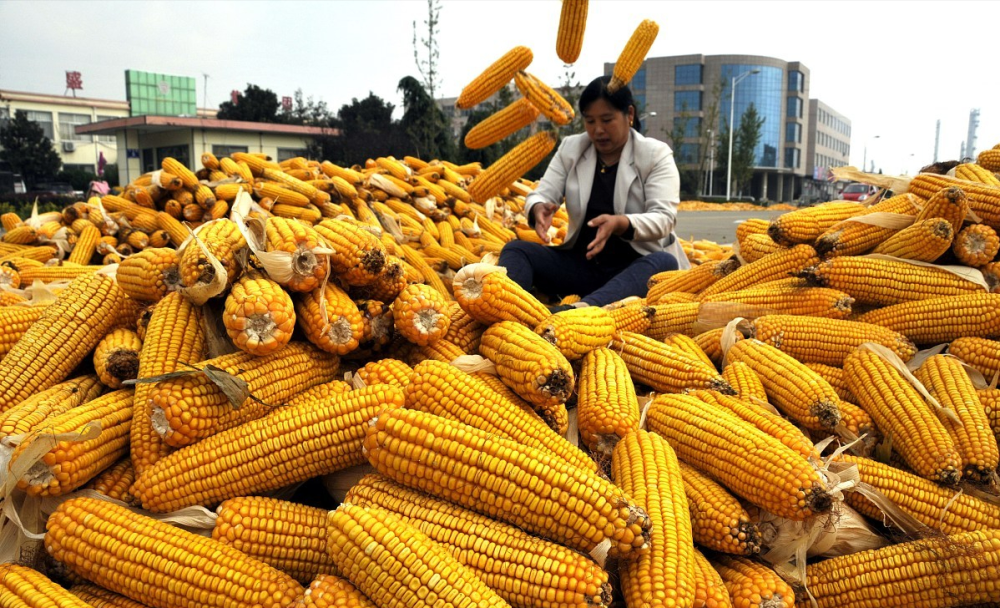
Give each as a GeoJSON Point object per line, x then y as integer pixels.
{"type": "Point", "coordinates": [74, 81]}
{"type": "Point", "coordinates": [235, 96]}
{"type": "Point", "coordinates": [286, 104]}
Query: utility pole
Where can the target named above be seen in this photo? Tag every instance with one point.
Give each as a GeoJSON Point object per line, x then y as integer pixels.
{"type": "Point", "coordinates": [970, 140]}
{"type": "Point", "coordinates": [205, 97]}
{"type": "Point", "coordinates": [711, 160]}
{"type": "Point", "coordinates": [937, 139]}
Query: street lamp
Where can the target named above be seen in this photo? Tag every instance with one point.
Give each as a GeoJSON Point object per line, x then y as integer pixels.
{"type": "Point", "coordinates": [864, 163]}
{"type": "Point", "coordinates": [732, 117]}
{"type": "Point", "coordinates": [642, 119]}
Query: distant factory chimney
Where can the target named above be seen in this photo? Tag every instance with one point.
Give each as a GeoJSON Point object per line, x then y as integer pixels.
{"type": "Point", "coordinates": [970, 140]}
{"type": "Point", "coordinates": [937, 139]}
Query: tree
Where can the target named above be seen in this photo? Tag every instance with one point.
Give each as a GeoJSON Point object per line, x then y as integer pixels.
{"type": "Point", "coordinates": [305, 111]}
{"type": "Point", "coordinates": [424, 122]}
{"type": "Point", "coordinates": [745, 147]}
{"type": "Point", "coordinates": [708, 123]}
{"type": "Point", "coordinates": [367, 131]}
{"type": "Point", "coordinates": [570, 91]}
{"type": "Point", "coordinates": [428, 65]}
{"type": "Point", "coordinates": [253, 105]}
{"type": "Point", "coordinates": [27, 149]}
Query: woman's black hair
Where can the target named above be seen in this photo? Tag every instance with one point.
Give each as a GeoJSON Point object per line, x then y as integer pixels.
{"type": "Point", "coordinates": [619, 100]}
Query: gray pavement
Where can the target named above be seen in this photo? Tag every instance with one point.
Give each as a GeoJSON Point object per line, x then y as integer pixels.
{"type": "Point", "coordinates": [718, 226]}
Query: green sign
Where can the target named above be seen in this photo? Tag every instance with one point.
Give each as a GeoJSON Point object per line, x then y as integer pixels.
{"type": "Point", "coordinates": [160, 94]}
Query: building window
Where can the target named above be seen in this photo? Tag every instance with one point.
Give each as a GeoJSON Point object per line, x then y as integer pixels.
{"type": "Point", "coordinates": [794, 108]}
{"type": "Point", "coordinates": [67, 126]}
{"type": "Point", "coordinates": [687, 101]}
{"type": "Point", "coordinates": [687, 74]}
{"type": "Point", "coordinates": [148, 160]}
{"type": "Point", "coordinates": [221, 151]}
{"type": "Point", "coordinates": [689, 154]}
{"type": "Point", "coordinates": [181, 153]}
{"type": "Point", "coordinates": [793, 133]}
{"type": "Point", "coordinates": [640, 102]}
{"type": "Point", "coordinates": [690, 124]}
{"type": "Point", "coordinates": [796, 81]}
{"type": "Point", "coordinates": [287, 153]}
{"type": "Point", "coordinates": [110, 139]}
{"type": "Point", "coordinates": [638, 82]}
{"type": "Point", "coordinates": [791, 158]}
{"type": "Point", "coordinates": [44, 120]}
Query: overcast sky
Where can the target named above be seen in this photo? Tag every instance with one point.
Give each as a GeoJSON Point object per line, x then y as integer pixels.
{"type": "Point", "coordinates": [893, 68]}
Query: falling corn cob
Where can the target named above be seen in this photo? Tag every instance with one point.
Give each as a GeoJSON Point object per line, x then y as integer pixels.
{"type": "Point", "coordinates": [633, 55]}
{"type": "Point", "coordinates": [512, 165]}
{"type": "Point", "coordinates": [718, 521]}
{"type": "Point", "coordinates": [530, 566]}
{"type": "Point", "coordinates": [259, 315]}
{"type": "Point", "coordinates": [976, 245]}
{"type": "Point", "coordinates": [115, 481]}
{"type": "Point", "coordinates": [665, 368]}
{"type": "Point", "coordinates": [189, 408]}
{"type": "Point", "coordinates": [806, 225]}
{"type": "Point", "coordinates": [330, 319]}
{"type": "Point", "coordinates": [304, 269]}
{"type": "Point", "coordinates": [941, 572]}
{"type": "Point", "coordinates": [924, 241]}
{"type": "Point", "coordinates": [900, 411]}
{"type": "Point", "coordinates": [496, 127]}
{"type": "Point", "coordinates": [752, 584]}
{"type": "Point", "coordinates": [491, 475]}
{"type": "Point", "coordinates": [826, 341]}
{"type": "Point", "coordinates": [61, 338]}
{"type": "Point", "coordinates": [578, 331]}
{"type": "Point", "coordinates": [751, 463]}
{"type": "Point", "coordinates": [544, 98]}
{"type": "Point", "coordinates": [332, 428]}
{"type": "Point", "coordinates": [23, 586]}
{"type": "Point", "coordinates": [116, 358]}
{"type": "Point", "coordinates": [777, 265]}
{"type": "Point", "coordinates": [607, 407]}
{"type": "Point", "coordinates": [572, 24]}
{"type": "Point", "coordinates": [155, 562]}
{"type": "Point", "coordinates": [645, 466]}
{"type": "Point", "coordinates": [941, 319]}
{"type": "Point", "coordinates": [493, 78]}
{"type": "Point", "coordinates": [285, 535]}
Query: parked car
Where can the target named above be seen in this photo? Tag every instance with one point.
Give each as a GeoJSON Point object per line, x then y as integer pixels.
{"type": "Point", "coordinates": [54, 189]}
{"type": "Point", "coordinates": [857, 192]}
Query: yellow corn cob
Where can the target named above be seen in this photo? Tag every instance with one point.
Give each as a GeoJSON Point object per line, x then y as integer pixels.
{"type": "Point", "coordinates": [947, 381]}
{"type": "Point", "coordinates": [756, 246]}
{"type": "Point", "coordinates": [16, 321]}
{"type": "Point", "coordinates": [673, 318]}
{"type": "Point", "coordinates": [826, 341]}
{"type": "Point", "coordinates": [753, 585]}
{"type": "Point", "coordinates": [190, 408]}
{"type": "Point", "coordinates": [777, 265]}
{"type": "Point", "coordinates": [20, 235]}
{"type": "Point", "coordinates": [26, 253]}
{"type": "Point", "coordinates": [23, 586]}
{"type": "Point", "coordinates": [321, 391]}
{"type": "Point", "coordinates": [259, 315]}
{"type": "Point", "coordinates": [52, 274]}
{"type": "Point", "coordinates": [464, 331]}
{"type": "Point", "coordinates": [387, 284]}
{"type": "Point", "coordinates": [69, 464]}
{"type": "Point", "coordinates": [607, 407]}
{"type": "Point", "coordinates": [223, 240]}
{"type": "Point", "coordinates": [947, 202]}
{"type": "Point", "coordinates": [489, 296]}
{"type": "Point", "coordinates": [835, 378]}
{"type": "Point", "coordinates": [157, 563]}
{"type": "Point", "coordinates": [149, 275]}
{"type": "Point", "coordinates": [173, 227]}
{"type": "Point", "coordinates": [10, 221]}
{"type": "Point", "coordinates": [493, 78]}
{"type": "Point", "coordinates": [370, 544]}
{"type": "Point", "coordinates": [280, 194]}
{"type": "Point", "coordinates": [98, 597]}
{"type": "Point", "coordinates": [378, 328]}
{"type": "Point", "coordinates": [521, 159]}
{"type": "Point", "coordinates": [33, 411]}
{"type": "Point", "coordinates": [665, 368]}
{"type": "Point", "coordinates": [61, 338]}
{"type": "Point", "coordinates": [175, 167]}
{"type": "Point", "coordinates": [934, 506]}
{"type": "Point", "coordinates": [989, 159]}
{"type": "Point", "coordinates": [751, 226]}
{"type": "Point", "coordinates": [991, 273]}
{"type": "Point", "coordinates": [806, 225]}
{"type": "Point", "coordinates": [710, 589]}
{"type": "Point", "coordinates": [983, 199]}
{"type": "Point", "coordinates": [544, 98]}
{"type": "Point", "coordinates": [85, 245]}
{"type": "Point", "coordinates": [464, 465]}
{"type": "Point", "coordinates": [359, 255]}
{"type": "Point", "coordinates": [744, 381]}
{"type": "Point", "coordinates": [973, 172]}
{"type": "Point", "coordinates": [572, 24]}
{"type": "Point", "coordinates": [634, 54]}
{"type": "Point", "coordinates": [941, 319]}
{"type": "Point", "coordinates": [784, 297]}
{"type": "Point", "coordinates": [948, 571]}
{"type": "Point", "coordinates": [718, 521]}
{"type": "Point", "coordinates": [856, 238]}
{"type": "Point", "coordinates": [385, 371]}
{"type": "Point", "coordinates": [332, 427]}
{"type": "Point", "coordinates": [976, 245]}
{"type": "Point", "coordinates": [116, 357]}
{"type": "Point", "coordinates": [442, 350]}
{"type": "Point", "coordinates": [115, 481]}
{"type": "Point", "coordinates": [193, 213]}
{"type": "Point", "coordinates": [420, 314]}
{"type": "Point", "coordinates": [532, 367]}
{"type": "Point", "coordinates": [328, 591]}
{"type": "Point", "coordinates": [113, 204]}
{"type": "Point", "coordinates": [316, 196]}
{"type": "Point", "coordinates": [340, 330]}
{"type": "Point", "coordinates": [749, 462]}
{"type": "Point", "coordinates": [710, 343]}
{"type": "Point", "coordinates": [645, 467]}
{"type": "Point", "coordinates": [309, 214]}
{"type": "Point", "coordinates": [900, 411]}
{"type": "Point", "coordinates": [925, 241]}
{"type": "Point", "coordinates": [980, 353]}
{"type": "Point", "coordinates": [7, 298]}
{"type": "Point", "coordinates": [285, 535]}
{"type": "Point", "coordinates": [578, 331]}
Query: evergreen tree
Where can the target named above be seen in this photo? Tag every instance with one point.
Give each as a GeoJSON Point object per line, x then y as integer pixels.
{"type": "Point", "coordinates": [253, 105]}
{"type": "Point", "coordinates": [27, 149]}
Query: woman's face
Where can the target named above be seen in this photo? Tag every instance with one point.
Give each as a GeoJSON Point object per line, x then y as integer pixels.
{"type": "Point", "coordinates": [607, 127]}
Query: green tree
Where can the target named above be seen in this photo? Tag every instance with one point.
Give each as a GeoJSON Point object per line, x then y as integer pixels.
{"type": "Point", "coordinates": [424, 122]}
{"type": "Point", "coordinates": [24, 145]}
{"type": "Point", "coordinates": [745, 146]}
{"type": "Point", "coordinates": [253, 105]}
{"type": "Point", "coordinates": [427, 66]}
{"type": "Point", "coordinates": [305, 111]}
{"type": "Point", "coordinates": [709, 122]}
{"type": "Point", "coordinates": [366, 131]}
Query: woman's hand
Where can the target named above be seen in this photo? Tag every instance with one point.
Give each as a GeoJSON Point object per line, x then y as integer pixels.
{"type": "Point", "coordinates": [543, 219]}
{"type": "Point", "coordinates": [606, 225]}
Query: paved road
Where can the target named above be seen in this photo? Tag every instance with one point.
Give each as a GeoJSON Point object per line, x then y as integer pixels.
{"type": "Point", "coordinates": [718, 226]}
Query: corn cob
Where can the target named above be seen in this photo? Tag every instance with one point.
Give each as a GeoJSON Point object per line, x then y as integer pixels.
{"type": "Point", "coordinates": [116, 358]}
{"type": "Point", "coordinates": [358, 257]}
{"type": "Point", "coordinates": [756, 246]}
{"type": "Point", "coordinates": [149, 275]}
{"type": "Point", "coordinates": [28, 254]}
{"type": "Point", "coordinates": [688, 281]}
{"type": "Point", "coordinates": [607, 407]}
{"type": "Point", "coordinates": [177, 168]}
{"type": "Point", "coordinates": [192, 407]}
{"type": "Point", "coordinates": [378, 328]}
{"type": "Point", "coordinates": [85, 245]}
{"type": "Point", "coordinates": [521, 159]}
{"type": "Point", "coordinates": [783, 297]}
{"type": "Point", "coordinates": [856, 238]}
{"type": "Point", "coordinates": [115, 481]}
{"type": "Point", "coordinates": [507, 121]}
{"type": "Point", "coordinates": [532, 367]}
{"type": "Point", "coordinates": [673, 318]}
{"type": "Point", "coordinates": [167, 573]}
{"type": "Point", "coordinates": [385, 371]}
{"type": "Point", "coordinates": [33, 411]}
{"type": "Point", "coordinates": [834, 376]}
{"type": "Point", "coordinates": [976, 245]}
{"type": "Point", "coordinates": [941, 319]}
{"type": "Point", "coordinates": [924, 241]}
{"type": "Point", "coordinates": [777, 265]}
{"type": "Point", "coordinates": [98, 597]}
{"type": "Point", "coordinates": [718, 521]}
{"type": "Point", "coordinates": [572, 24]}
{"type": "Point", "coordinates": [991, 274]}
{"type": "Point", "coordinates": [947, 381]}
{"type": "Point", "coordinates": [806, 225]}
{"type": "Point", "coordinates": [138, 240]}
{"type": "Point", "coordinates": [751, 226]}
{"type": "Point", "coordinates": [664, 368]}
{"type": "Point", "coordinates": [7, 298]}
{"type": "Point", "coordinates": [53, 274]}
{"type": "Point", "coordinates": [420, 314]}
{"type": "Point", "coordinates": [646, 468]}
{"type": "Point", "coordinates": [9, 278]}
{"type": "Point", "coordinates": [493, 78]}
{"type": "Point", "coordinates": [826, 341]}
{"type": "Point", "coordinates": [751, 463]}
{"type": "Point", "coordinates": [23, 586]}
{"type": "Point", "coordinates": [284, 535]}
{"type": "Point", "coordinates": [464, 465]}
{"type": "Point", "coordinates": [634, 54]}
{"type": "Point", "coordinates": [633, 318]}
{"type": "Point", "coordinates": [710, 589]}
{"type": "Point", "coordinates": [983, 199]}
{"type": "Point", "coordinates": [989, 159]}
{"type": "Point", "coordinates": [332, 428]}
{"type": "Point", "coordinates": [489, 296]}
{"type": "Point", "coordinates": [387, 284]}
{"type": "Point", "coordinates": [478, 542]}
{"type": "Point", "coordinates": [309, 214]}
{"type": "Point", "coordinates": [946, 202]}
{"type": "Point", "coordinates": [751, 584]}
{"type": "Point", "coordinates": [330, 319]}
{"type": "Point", "coordinates": [464, 331]}
{"type": "Point", "coordinates": [322, 391]}
{"type": "Point", "coordinates": [980, 353]}
{"type": "Point", "coordinates": [20, 235]}
{"type": "Point", "coordinates": [744, 381]}
{"type": "Point", "coordinates": [222, 239]}
{"type": "Point", "coordinates": [688, 346]}
{"type": "Point", "coordinates": [544, 98]}
{"type": "Point", "coordinates": [955, 570]}
{"type": "Point", "coordinates": [174, 228]}
{"type": "Point", "coordinates": [259, 315]}
{"type": "Point", "coordinates": [710, 343]}
{"type": "Point", "coordinates": [497, 386]}
{"type": "Point", "coordinates": [280, 194]}
{"type": "Point", "coordinates": [17, 321]}
{"type": "Point", "coordinates": [990, 398]}
{"type": "Point", "coordinates": [329, 591]}
{"type": "Point", "coordinates": [899, 410]}
{"type": "Point", "coordinates": [442, 350]}
{"type": "Point", "coordinates": [578, 331]}
{"type": "Point", "coordinates": [61, 338]}
{"type": "Point", "coordinates": [10, 221]}
{"type": "Point", "coordinates": [298, 241]}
